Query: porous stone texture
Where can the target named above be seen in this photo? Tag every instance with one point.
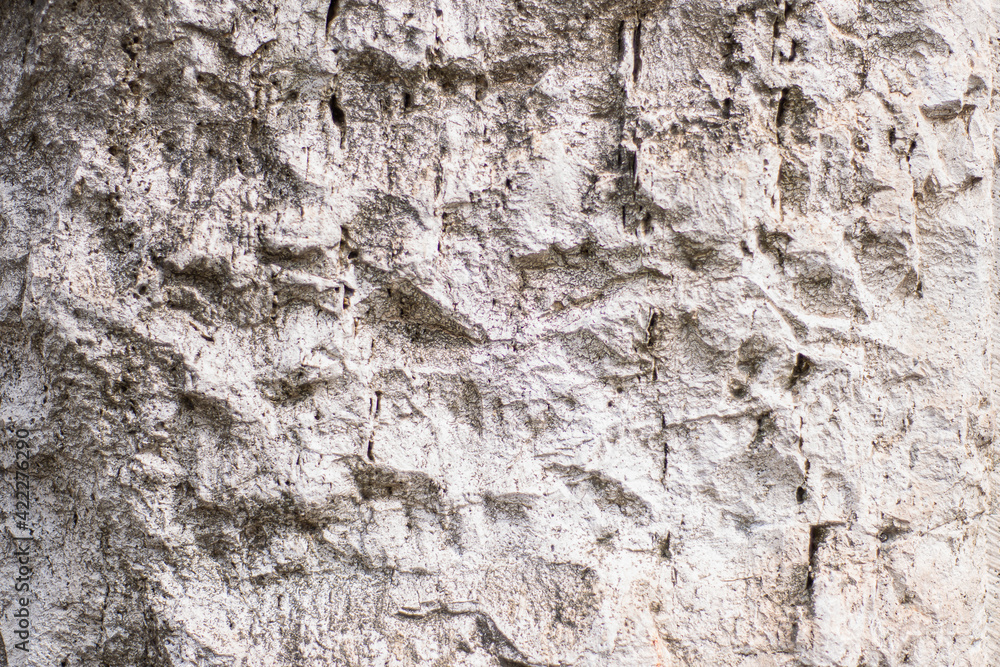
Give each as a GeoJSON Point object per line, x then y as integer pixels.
{"type": "Point", "coordinates": [501, 332]}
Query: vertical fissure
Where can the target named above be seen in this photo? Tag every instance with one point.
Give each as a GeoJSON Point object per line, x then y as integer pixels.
{"type": "Point", "coordinates": [331, 13]}
{"type": "Point", "coordinates": [816, 536]}
{"type": "Point", "coordinates": [336, 112]}
{"type": "Point", "coordinates": [636, 51]}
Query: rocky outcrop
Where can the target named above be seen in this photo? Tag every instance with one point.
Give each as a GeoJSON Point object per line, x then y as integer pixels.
{"type": "Point", "coordinates": [526, 332]}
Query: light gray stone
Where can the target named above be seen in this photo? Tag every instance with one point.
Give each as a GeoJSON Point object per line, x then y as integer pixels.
{"type": "Point", "coordinates": [513, 332]}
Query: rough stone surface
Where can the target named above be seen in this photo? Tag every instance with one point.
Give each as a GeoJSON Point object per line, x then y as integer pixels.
{"type": "Point", "coordinates": [501, 332]}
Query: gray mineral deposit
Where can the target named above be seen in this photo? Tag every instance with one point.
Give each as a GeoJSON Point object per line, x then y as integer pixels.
{"type": "Point", "coordinates": [516, 333]}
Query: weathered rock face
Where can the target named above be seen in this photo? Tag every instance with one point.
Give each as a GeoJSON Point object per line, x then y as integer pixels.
{"type": "Point", "coordinates": [500, 332]}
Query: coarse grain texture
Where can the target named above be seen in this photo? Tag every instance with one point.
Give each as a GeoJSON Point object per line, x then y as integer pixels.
{"type": "Point", "coordinates": [502, 332]}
